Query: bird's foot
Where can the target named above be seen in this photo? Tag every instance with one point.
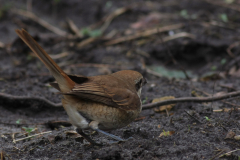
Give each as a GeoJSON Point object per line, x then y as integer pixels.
{"type": "Point", "coordinates": [119, 141]}
{"type": "Point", "coordinates": [79, 131]}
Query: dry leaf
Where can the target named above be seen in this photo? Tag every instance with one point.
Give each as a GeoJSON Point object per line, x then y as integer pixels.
{"type": "Point", "coordinates": [163, 108]}
{"type": "Point", "coordinates": [166, 133]}
{"type": "Point", "coordinates": [220, 93]}
{"type": "Point", "coordinates": [223, 110]}
{"type": "Point", "coordinates": [194, 93]}
{"type": "Point", "coordinates": [149, 20]}
{"type": "Point", "coordinates": [237, 137]}
{"type": "Point", "coordinates": [51, 138]}
{"type": "Point", "coordinates": [230, 135]}
{"type": "Point", "coordinates": [211, 77]}
{"type": "Point", "coordinates": [73, 134]}
{"type": "Point", "coordinates": [139, 118]}
{"type": "Point", "coordinates": [234, 72]}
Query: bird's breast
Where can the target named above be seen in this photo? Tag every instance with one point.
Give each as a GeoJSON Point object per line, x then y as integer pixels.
{"type": "Point", "coordinates": [109, 118]}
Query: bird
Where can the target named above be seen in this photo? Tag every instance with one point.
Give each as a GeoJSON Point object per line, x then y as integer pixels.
{"type": "Point", "coordinates": [100, 103]}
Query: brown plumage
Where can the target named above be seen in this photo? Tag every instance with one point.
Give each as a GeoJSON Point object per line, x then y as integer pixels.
{"type": "Point", "coordinates": [100, 102]}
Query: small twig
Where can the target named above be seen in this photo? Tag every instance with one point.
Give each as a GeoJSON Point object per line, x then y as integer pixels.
{"type": "Point", "coordinates": [40, 21]}
{"type": "Point", "coordinates": [60, 55]}
{"type": "Point", "coordinates": [144, 34]}
{"type": "Point", "coordinates": [167, 112]}
{"type": "Point", "coordinates": [193, 117]}
{"type": "Point", "coordinates": [74, 28]}
{"type": "Point", "coordinates": [140, 118]}
{"type": "Point", "coordinates": [55, 56]}
{"type": "Point", "coordinates": [32, 136]}
{"type": "Point", "coordinates": [3, 154]}
{"type": "Point", "coordinates": [225, 109]}
{"type": "Point", "coordinates": [108, 19]}
{"type": "Point", "coordinates": [178, 35]}
{"type": "Point", "coordinates": [222, 100]}
{"type": "Point", "coordinates": [175, 36]}
{"type": "Point", "coordinates": [217, 155]}
{"type": "Point", "coordinates": [86, 42]}
{"type": "Point", "coordinates": [17, 148]}
{"type": "Point", "coordinates": [8, 156]}
{"type": "Point", "coordinates": [222, 4]}
{"type": "Point", "coordinates": [228, 153]}
{"type": "Point", "coordinates": [148, 70]}
{"type": "Point", "coordinates": [95, 65]}
{"type": "Point", "coordinates": [230, 48]}
{"type": "Point", "coordinates": [191, 99]}
{"type": "Point", "coordinates": [113, 15]}
{"type": "Point", "coordinates": [7, 97]}
{"type": "Point", "coordinates": [13, 137]}
{"type": "Point", "coordinates": [218, 24]}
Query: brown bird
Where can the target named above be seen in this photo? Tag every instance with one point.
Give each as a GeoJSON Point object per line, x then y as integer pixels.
{"type": "Point", "coordinates": [100, 103]}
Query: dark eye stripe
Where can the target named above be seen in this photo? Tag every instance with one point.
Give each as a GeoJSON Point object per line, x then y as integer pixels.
{"type": "Point", "coordinates": [138, 85]}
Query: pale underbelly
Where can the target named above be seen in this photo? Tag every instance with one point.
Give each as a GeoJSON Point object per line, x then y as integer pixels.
{"type": "Point", "coordinates": [109, 118]}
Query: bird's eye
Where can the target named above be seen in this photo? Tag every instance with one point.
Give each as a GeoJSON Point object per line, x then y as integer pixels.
{"type": "Point", "coordinates": [138, 85]}
{"type": "Point", "coordinates": [140, 82]}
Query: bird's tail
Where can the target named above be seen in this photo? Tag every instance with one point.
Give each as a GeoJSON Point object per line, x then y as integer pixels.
{"type": "Point", "coordinates": [64, 82]}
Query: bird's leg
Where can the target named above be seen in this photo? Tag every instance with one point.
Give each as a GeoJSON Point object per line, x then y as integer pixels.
{"type": "Point", "coordinates": [109, 135]}
{"type": "Point", "coordinates": [94, 125]}
{"type": "Point", "coordinates": [79, 131]}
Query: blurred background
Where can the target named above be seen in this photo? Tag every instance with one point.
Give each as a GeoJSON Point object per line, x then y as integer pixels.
{"type": "Point", "coordinates": [185, 48]}
{"type": "Point", "coordinates": [181, 39]}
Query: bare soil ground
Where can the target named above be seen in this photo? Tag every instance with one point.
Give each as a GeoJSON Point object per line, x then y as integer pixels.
{"type": "Point", "coordinates": [192, 37]}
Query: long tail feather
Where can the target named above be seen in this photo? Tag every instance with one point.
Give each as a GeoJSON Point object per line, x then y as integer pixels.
{"type": "Point", "coordinates": [65, 83]}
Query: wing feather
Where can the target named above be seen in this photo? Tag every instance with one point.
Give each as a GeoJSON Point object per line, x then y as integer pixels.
{"type": "Point", "coordinates": [115, 97]}
{"type": "Point", "coordinates": [100, 92]}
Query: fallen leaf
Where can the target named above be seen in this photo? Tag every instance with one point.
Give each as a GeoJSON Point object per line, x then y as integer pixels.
{"type": "Point", "coordinates": [51, 138]}
{"type": "Point", "coordinates": [220, 93]}
{"type": "Point", "coordinates": [166, 133]}
{"type": "Point", "coordinates": [72, 134]}
{"type": "Point", "coordinates": [194, 93]}
{"type": "Point", "coordinates": [139, 118]}
{"type": "Point", "coordinates": [230, 135]}
{"type": "Point", "coordinates": [163, 108]}
{"type": "Point", "coordinates": [151, 19]}
{"type": "Point", "coordinates": [210, 77]}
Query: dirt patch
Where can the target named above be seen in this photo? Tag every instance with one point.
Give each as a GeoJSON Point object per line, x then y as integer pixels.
{"type": "Point", "coordinates": [199, 131]}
